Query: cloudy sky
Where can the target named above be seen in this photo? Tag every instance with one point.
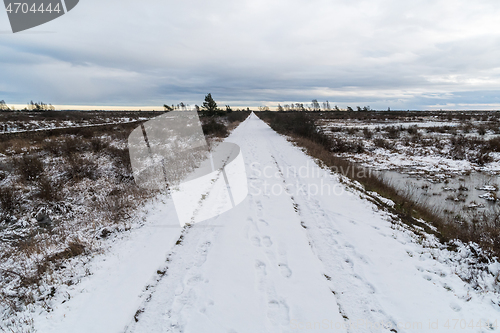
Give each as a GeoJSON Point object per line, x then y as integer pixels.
{"type": "Point", "coordinates": [383, 53]}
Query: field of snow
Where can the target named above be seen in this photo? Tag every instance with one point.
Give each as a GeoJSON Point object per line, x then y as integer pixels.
{"type": "Point", "coordinates": [18, 122]}
{"type": "Point", "coordinates": [430, 147]}
{"type": "Point", "coordinates": [304, 252]}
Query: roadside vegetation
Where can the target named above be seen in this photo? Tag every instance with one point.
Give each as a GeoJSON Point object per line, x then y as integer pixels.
{"type": "Point", "coordinates": [474, 143]}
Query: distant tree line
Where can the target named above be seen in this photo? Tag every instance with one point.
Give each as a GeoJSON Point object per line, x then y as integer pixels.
{"type": "Point", "coordinates": [181, 106]}
{"type": "Point", "coordinates": [208, 108]}
{"type": "Point", "coordinates": [40, 106]}
{"type": "Point", "coordinates": [314, 106]}
{"type": "Point", "coordinates": [32, 106]}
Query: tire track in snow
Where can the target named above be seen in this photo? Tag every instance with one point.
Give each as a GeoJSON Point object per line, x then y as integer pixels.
{"type": "Point", "coordinates": [174, 290]}
{"type": "Point", "coordinates": [353, 293]}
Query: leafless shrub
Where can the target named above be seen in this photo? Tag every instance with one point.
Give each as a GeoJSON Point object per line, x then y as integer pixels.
{"type": "Point", "coordinates": [458, 144]}
{"type": "Point", "coordinates": [97, 144]}
{"type": "Point", "coordinates": [48, 190]}
{"type": "Point", "coordinates": [416, 138]}
{"type": "Point", "coordinates": [381, 143]}
{"type": "Point", "coordinates": [121, 159]}
{"type": "Point", "coordinates": [439, 144]}
{"type": "Point", "coordinates": [79, 168]}
{"type": "Point", "coordinates": [481, 130]}
{"type": "Point", "coordinates": [393, 132]}
{"type": "Point", "coordinates": [412, 130]}
{"type": "Point", "coordinates": [9, 200]}
{"type": "Point", "coordinates": [338, 145]}
{"type": "Point", "coordinates": [215, 128]}
{"type": "Point", "coordinates": [30, 167]}
{"type": "Point", "coordinates": [351, 130]}
{"type": "Point", "coordinates": [480, 157]}
{"type": "Point", "coordinates": [367, 133]}
{"type": "Point", "coordinates": [335, 129]}
{"type": "Point", "coordinates": [467, 128]}
{"type": "Point", "coordinates": [53, 146]}
{"type": "Point", "coordinates": [493, 145]}
{"type": "Point", "coordinates": [73, 145]}
{"type": "Point", "coordinates": [237, 116]}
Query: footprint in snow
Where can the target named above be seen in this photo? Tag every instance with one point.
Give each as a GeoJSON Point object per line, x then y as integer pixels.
{"type": "Point", "coordinates": [207, 305]}
{"type": "Point", "coordinates": [194, 280]}
{"type": "Point", "coordinates": [260, 267]}
{"type": "Point", "coordinates": [285, 270]}
{"type": "Point", "coordinates": [363, 259]}
{"type": "Point", "coordinates": [371, 288]}
{"type": "Point", "coordinates": [278, 312]}
{"type": "Point", "coordinates": [266, 240]}
{"type": "Point", "coordinates": [332, 241]}
{"type": "Point", "coordinates": [455, 307]}
{"type": "Point", "coordinates": [349, 262]}
{"type": "Point", "coordinates": [256, 241]}
{"type": "Point", "coordinates": [336, 232]}
{"type": "Point", "coordinates": [263, 222]}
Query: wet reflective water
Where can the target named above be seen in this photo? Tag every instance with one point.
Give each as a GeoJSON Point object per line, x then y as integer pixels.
{"type": "Point", "coordinates": [453, 194]}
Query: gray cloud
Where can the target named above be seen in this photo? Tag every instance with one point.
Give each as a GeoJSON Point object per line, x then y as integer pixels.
{"type": "Point", "coordinates": [408, 55]}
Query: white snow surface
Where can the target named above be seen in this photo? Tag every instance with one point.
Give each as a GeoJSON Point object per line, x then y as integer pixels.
{"type": "Point", "coordinates": [286, 259]}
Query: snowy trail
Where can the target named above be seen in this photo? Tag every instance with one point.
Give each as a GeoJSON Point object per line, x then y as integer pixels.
{"type": "Point", "coordinates": [108, 298]}
{"type": "Point", "coordinates": [286, 259]}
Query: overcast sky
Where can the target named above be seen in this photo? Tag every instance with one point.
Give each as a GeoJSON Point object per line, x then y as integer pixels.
{"type": "Point", "coordinates": [382, 53]}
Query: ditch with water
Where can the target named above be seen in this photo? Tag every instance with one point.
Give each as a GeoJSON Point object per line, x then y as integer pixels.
{"type": "Point", "coordinates": [456, 195]}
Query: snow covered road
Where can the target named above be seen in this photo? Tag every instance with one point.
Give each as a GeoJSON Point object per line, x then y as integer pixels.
{"type": "Point", "coordinates": [302, 253]}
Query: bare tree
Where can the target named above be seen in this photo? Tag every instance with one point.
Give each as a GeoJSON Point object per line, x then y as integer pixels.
{"type": "Point", "coordinates": [299, 107]}
{"type": "Point", "coordinates": [39, 106]}
{"type": "Point", "coordinates": [326, 106]}
{"type": "Point", "coordinates": [315, 105]}
{"type": "Point", "coordinates": [3, 106]}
